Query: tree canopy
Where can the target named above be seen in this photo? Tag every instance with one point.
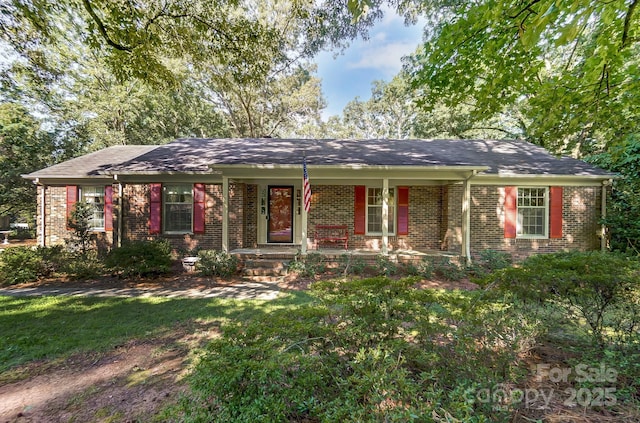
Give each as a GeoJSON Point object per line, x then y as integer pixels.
{"type": "Point", "coordinates": [570, 69]}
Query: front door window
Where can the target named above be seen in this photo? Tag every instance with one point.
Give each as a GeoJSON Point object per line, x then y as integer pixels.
{"type": "Point", "coordinates": [280, 217]}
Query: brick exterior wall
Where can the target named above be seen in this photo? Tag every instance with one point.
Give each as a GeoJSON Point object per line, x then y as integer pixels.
{"type": "Point", "coordinates": [56, 232]}
{"type": "Point", "coordinates": [435, 219]}
{"type": "Point", "coordinates": [334, 205]}
{"type": "Point", "coordinates": [136, 218]}
{"type": "Point", "coordinates": [580, 215]}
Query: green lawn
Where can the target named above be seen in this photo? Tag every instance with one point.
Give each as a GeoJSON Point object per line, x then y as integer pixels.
{"type": "Point", "coordinates": [55, 327]}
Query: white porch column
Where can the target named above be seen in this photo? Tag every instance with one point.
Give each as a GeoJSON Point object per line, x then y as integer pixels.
{"type": "Point", "coordinates": [603, 215]}
{"type": "Point", "coordinates": [120, 213]}
{"type": "Point", "coordinates": [385, 216]}
{"type": "Point", "coordinates": [225, 213]}
{"type": "Point", "coordinates": [466, 219]}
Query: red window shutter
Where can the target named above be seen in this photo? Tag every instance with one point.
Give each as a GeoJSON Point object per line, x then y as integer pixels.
{"type": "Point", "coordinates": [198, 208]}
{"type": "Point", "coordinates": [510, 211]}
{"type": "Point", "coordinates": [155, 209]}
{"type": "Point", "coordinates": [72, 198]}
{"type": "Point", "coordinates": [555, 212]}
{"type": "Point", "coordinates": [108, 208]}
{"type": "Point", "coordinates": [403, 210]}
{"type": "Point", "coordinates": [360, 210]}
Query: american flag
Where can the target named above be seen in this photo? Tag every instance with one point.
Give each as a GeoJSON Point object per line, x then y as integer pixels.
{"type": "Point", "coordinates": [306, 186]}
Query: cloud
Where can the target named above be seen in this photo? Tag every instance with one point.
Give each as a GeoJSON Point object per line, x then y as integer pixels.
{"type": "Point", "coordinates": [385, 57]}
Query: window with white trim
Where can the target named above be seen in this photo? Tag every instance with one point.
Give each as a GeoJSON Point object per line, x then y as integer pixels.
{"type": "Point", "coordinates": [533, 209]}
{"type": "Point", "coordinates": [178, 208]}
{"type": "Point", "coordinates": [374, 211]}
{"type": "Point", "coordinates": [94, 195]}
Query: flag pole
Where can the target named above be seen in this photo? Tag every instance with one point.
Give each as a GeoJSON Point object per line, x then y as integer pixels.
{"type": "Point", "coordinates": [304, 207]}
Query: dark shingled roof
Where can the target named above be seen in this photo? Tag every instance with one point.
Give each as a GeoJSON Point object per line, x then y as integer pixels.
{"type": "Point", "coordinates": [502, 157]}
{"type": "Point", "coordinates": [198, 154]}
{"type": "Point", "coordinates": [91, 164]}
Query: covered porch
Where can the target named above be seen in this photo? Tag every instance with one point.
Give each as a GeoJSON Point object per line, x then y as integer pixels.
{"type": "Point", "coordinates": [405, 195]}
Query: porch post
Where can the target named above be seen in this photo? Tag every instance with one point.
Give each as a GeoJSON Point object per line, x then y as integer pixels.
{"type": "Point", "coordinates": [120, 213]}
{"type": "Point", "coordinates": [385, 216]}
{"type": "Point", "coordinates": [225, 213]}
{"type": "Point", "coordinates": [466, 219]}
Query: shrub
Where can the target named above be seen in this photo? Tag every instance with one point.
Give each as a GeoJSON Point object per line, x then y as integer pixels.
{"type": "Point", "coordinates": [26, 264]}
{"type": "Point", "coordinates": [216, 263]}
{"type": "Point", "coordinates": [310, 265]}
{"type": "Point", "coordinates": [385, 267]}
{"type": "Point", "coordinates": [602, 288]}
{"type": "Point", "coordinates": [79, 224]}
{"type": "Point", "coordinates": [83, 265]}
{"type": "Point", "coordinates": [365, 350]}
{"type": "Point", "coordinates": [441, 267]}
{"type": "Point", "coordinates": [350, 264]}
{"type": "Point", "coordinates": [141, 258]}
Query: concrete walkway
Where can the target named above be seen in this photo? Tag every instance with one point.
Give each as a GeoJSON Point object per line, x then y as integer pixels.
{"type": "Point", "coordinates": [245, 290]}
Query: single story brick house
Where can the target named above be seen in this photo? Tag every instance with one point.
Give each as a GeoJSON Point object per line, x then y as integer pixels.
{"type": "Point", "coordinates": [460, 196]}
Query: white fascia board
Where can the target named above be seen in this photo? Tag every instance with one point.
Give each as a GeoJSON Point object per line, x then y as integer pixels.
{"type": "Point", "coordinates": [532, 180]}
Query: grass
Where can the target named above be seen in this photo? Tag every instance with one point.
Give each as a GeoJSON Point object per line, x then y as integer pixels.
{"type": "Point", "coordinates": [56, 327]}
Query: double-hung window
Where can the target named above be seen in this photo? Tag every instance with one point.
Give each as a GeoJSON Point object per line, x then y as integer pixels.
{"type": "Point", "coordinates": [178, 208]}
{"type": "Point", "coordinates": [533, 209]}
{"type": "Point", "coordinates": [374, 211]}
{"type": "Point", "coordinates": [94, 195]}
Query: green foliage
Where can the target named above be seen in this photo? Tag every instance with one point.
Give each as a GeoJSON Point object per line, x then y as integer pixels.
{"type": "Point", "coordinates": [365, 350]}
{"type": "Point", "coordinates": [216, 263]}
{"type": "Point", "coordinates": [24, 148]}
{"type": "Point", "coordinates": [385, 266]}
{"type": "Point", "coordinates": [79, 223]}
{"type": "Point", "coordinates": [308, 265]}
{"type": "Point", "coordinates": [601, 288]}
{"type": "Point", "coordinates": [623, 208]}
{"type": "Point", "coordinates": [26, 264]}
{"type": "Point", "coordinates": [440, 267]}
{"type": "Point", "coordinates": [351, 264]}
{"type": "Point", "coordinates": [141, 258]}
{"type": "Point", "coordinates": [489, 261]}
{"type": "Point", "coordinates": [83, 266]}
{"type": "Point", "coordinates": [561, 73]}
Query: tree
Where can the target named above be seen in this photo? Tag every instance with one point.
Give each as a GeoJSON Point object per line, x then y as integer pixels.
{"type": "Point", "coordinates": [623, 211]}
{"type": "Point", "coordinates": [24, 148]}
{"type": "Point", "coordinates": [570, 68]}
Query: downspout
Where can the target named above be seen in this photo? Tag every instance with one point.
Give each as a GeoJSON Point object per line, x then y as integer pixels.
{"type": "Point", "coordinates": [466, 218]}
{"type": "Point", "coordinates": [603, 215]}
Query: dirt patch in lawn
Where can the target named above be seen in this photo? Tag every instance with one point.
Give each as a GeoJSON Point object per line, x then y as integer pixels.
{"type": "Point", "coordinates": [131, 382]}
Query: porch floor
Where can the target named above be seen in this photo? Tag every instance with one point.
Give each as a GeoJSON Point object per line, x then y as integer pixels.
{"type": "Point", "coordinates": [290, 251]}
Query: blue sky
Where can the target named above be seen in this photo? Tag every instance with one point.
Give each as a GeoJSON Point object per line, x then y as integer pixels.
{"type": "Point", "coordinates": [350, 74]}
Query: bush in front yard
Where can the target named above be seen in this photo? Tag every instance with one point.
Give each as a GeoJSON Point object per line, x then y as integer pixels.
{"type": "Point", "coordinates": [600, 287]}
{"type": "Point", "coordinates": [26, 264]}
{"type": "Point", "coordinates": [141, 258]}
{"type": "Point", "coordinates": [365, 350]}
{"type": "Point", "coordinates": [216, 263]}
